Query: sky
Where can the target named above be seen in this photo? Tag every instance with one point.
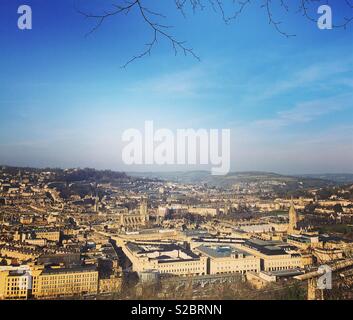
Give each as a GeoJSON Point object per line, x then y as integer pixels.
{"type": "Point", "coordinates": [65, 99]}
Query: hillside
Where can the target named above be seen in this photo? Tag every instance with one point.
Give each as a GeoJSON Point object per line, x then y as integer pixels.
{"type": "Point", "coordinates": [204, 177]}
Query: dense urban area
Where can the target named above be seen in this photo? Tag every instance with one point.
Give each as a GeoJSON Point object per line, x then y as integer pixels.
{"type": "Point", "coordinates": [89, 234]}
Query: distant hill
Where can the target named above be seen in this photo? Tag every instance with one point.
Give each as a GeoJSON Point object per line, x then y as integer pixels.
{"type": "Point", "coordinates": [289, 182]}
{"type": "Point", "coordinates": [70, 175]}
{"type": "Point", "coordinates": [204, 177]}
{"type": "Point", "coordinates": [336, 177]}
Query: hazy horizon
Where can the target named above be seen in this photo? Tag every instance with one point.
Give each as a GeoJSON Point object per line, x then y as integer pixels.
{"type": "Point", "coordinates": [177, 171]}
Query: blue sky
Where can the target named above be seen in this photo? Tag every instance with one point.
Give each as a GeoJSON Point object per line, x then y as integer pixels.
{"type": "Point", "coordinates": [65, 100]}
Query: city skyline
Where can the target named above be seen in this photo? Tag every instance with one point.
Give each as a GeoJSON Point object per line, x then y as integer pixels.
{"type": "Point", "coordinates": [65, 100]}
{"type": "Point", "coordinates": [177, 157]}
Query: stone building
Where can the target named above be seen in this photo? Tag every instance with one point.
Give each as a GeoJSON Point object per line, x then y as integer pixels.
{"type": "Point", "coordinates": [134, 220]}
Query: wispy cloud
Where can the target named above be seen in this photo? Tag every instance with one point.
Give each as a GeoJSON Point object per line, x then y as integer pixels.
{"type": "Point", "coordinates": [322, 75]}
{"type": "Point", "coordinates": [307, 111]}
{"type": "Point", "coordinates": [187, 82]}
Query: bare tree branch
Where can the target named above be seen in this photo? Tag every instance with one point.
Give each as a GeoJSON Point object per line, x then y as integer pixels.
{"type": "Point", "coordinates": [101, 18]}
{"type": "Point", "coordinates": [267, 6]}
{"type": "Point", "coordinates": [157, 28]}
{"type": "Point", "coordinates": [237, 7]}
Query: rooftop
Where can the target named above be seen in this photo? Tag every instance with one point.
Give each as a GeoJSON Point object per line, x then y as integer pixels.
{"type": "Point", "coordinates": [269, 247]}
{"type": "Point", "coordinates": [221, 251]}
{"type": "Point", "coordinates": [161, 251]}
{"type": "Point", "coordinates": [77, 269]}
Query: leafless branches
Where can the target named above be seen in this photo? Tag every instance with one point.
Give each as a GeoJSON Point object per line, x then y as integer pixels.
{"type": "Point", "coordinates": [158, 29]}
{"type": "Point", "coordinates": [105, 15]}
{"type": "Point", "coordinates": [228, 9]}
{"type": "Point", "coordinates": [276, 24]}
{"type": "Point", "coordinates": [216, 5]}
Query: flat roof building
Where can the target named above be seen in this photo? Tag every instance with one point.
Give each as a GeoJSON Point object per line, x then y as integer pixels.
{"type": "Point", "coordinates": [227, 259]}
{"type": "Point", "coordinates": [274, 255]}
{"type": "Point", "coordinates": [170, 259]}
